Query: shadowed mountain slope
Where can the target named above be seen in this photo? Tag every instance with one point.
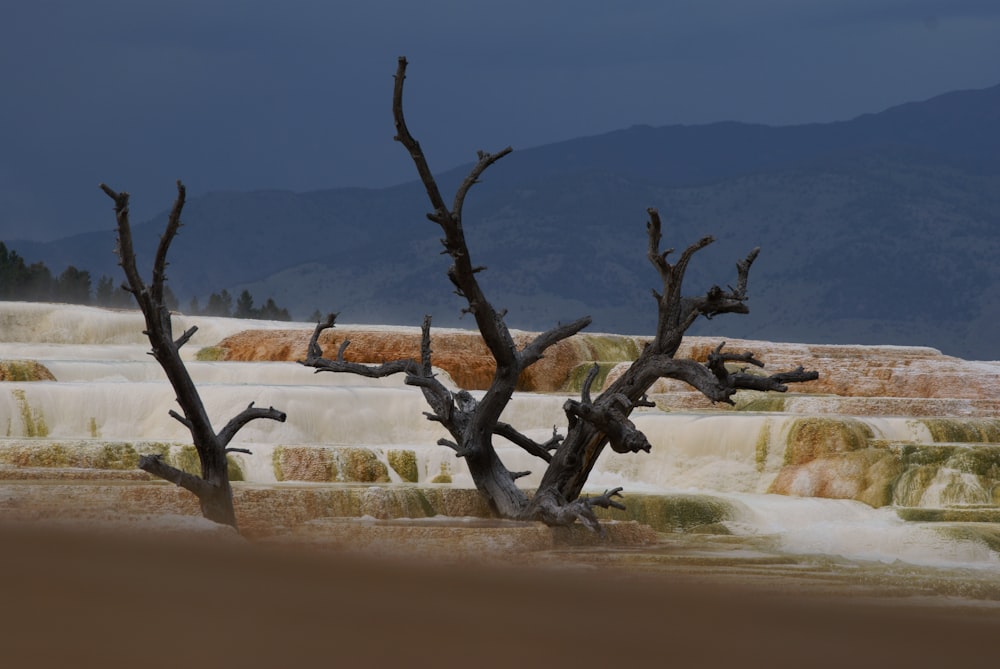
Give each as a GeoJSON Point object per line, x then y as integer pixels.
{"type": "Point", "coordinates": [882, 229]}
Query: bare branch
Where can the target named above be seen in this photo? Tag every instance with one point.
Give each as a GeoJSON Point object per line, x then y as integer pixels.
{"type": "Point", "coordinates": [776, 382]}
{"type": "Point", "coordinates": [535, 350]}
{"type": "Point", "coordinates": [743, 272]}
{"type": "Point", "coordinates": [672, 276]}
{"type": "Point", "coordinates": [609, 418]}
{"type": "Point", "coordinates": [155, 465]}
{"type": "Point", "coordinates": [404, 137]}
{"type": "Point", "coordinates": [314, 350]}
{"type": "Point", "coordinates": [461, 273]}
{"type": "Point", "coordinates": [644, 401]}
{"type": "Point", "coordinates": [173, 226]}
{"type": "Point", "coordinates": [654, 234]}
{"type": "Point", "coordinates": [124, 248]}
{"type": "Point", "coordinates": [553, 509]}
{"type": "Point", "coordinates": [184, 338]}
{"type": "Point", "coordinates": [250, 413]}
{"type": "Point", "coordinates": [485, 160]}
{"type": "Point", "coordinates": [315, 359]}
{"type": "Point", "coordinates": [425, 347]}
{"type": "Point", "coordinates": [406, 366]}
{"type": "Point", "coordinates": [508, 432]}
{"type": "Point", "coordinates": [715, 382]}
{"type": "Point", "coordinates": [181, 419]}
{"type": "Point", "coordinates": [450, 444]}
{"type": "Point", "coordinates": [606, 500]}
{"type": "Point", "coordinates": [588, 382]}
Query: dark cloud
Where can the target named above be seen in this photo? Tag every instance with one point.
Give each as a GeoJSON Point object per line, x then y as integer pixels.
{"type": "Point", "coordinates": [242, 95]}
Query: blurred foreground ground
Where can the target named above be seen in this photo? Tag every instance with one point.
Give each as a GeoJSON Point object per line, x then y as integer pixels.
{"type": "Point", "coordinates": [79, 598]}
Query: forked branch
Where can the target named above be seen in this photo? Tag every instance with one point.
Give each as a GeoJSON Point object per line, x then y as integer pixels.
{"type": "Point", "coordinates": [155, 465]}
{"type": "Point", "coordinates": [462, 273]}
{"type": "Point", "coordinates": [249, 414]}
{"type": "Point", "coordinates": [212, 488]}
{"type": "Point", "coordinates": [315, 359]}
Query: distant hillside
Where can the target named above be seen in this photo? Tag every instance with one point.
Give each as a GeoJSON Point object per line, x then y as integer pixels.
{"type": "Point", "coordinates": [883, 229]}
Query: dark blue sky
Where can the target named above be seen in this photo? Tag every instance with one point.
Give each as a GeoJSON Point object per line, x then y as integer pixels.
{"type": "Point", "coordinates": [296, 95]}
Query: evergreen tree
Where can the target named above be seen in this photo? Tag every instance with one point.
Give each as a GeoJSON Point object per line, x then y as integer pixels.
{"type": "Point", "coordinates": [244, 306]}
{"type": "Point", "coordinates": [73, 286]}
{"type": "Point", "coordinates": [219, 304]}
{"type": "Point", "coordinates": [272, 312]}
{"type": "Point", "coordinates": [39, 286]}
{"type": "Point", "coordinates": [169, 299]}
{"type": "Point", "coordinates": [104, 292]}
{"type": "Point", "coordinates": [13, 274]}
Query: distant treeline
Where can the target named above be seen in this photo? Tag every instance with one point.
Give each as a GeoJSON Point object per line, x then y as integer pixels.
{"type": "Point", "coordinates": [221, 304]}
{"type": "Point", "coordinates": [20, 282]}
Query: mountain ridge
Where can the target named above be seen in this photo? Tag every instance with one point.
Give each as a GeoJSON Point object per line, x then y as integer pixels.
{"type": "Point", "coordinates": [880, 229]}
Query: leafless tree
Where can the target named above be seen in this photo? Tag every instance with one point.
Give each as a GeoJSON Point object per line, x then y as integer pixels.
{"type": "Point", "coordinates": [592, 423]}
{"type": "Point", "coordinates": [212, 488]}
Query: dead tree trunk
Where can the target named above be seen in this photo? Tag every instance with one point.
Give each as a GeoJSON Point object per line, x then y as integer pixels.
{"type": "Point", "coordinates": [213, 489]}
{"type": "Point", "coordinates": [596, 424]}
{"type": "Point", "coordinates": [592, 423]}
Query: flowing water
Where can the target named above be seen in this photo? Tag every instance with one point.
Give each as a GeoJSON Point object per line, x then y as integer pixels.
{"type": "Point", "coordinates": [798, 483]}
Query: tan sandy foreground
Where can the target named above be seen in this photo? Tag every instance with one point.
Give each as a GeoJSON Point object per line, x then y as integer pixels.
{"type": "Point", "coordinates": [76, 598]}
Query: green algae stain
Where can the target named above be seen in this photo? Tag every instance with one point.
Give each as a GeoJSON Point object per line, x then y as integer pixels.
{"type": "Point", "coordinates": [334, 464]}
{"type": "Point", "coordinates": [33, 421]}
{"type": "Point", "coordinates": [360, 465]}
{"type": "Point", "coordinates": [981, 461]}
{"type": "Point", "coordinates": [964, 490]}
{"type": "Point", "coordinates": [94, 432]}
{"type": "Point", "coordinates": [574, 382]}
{"type": "Point", "coordinates": [235, 471]}
{"type": "Point", "coordinates": [279, 472]}
{"type": "Point", "coordinates": [76, 454]}
{"type": "Point", "coordinates": [762, 447]}
{"type": "Point", "coordinates": [30, 455]}
{"type": "Point", "coordinates": [759, 401]}
{"type": "Point", "coordinates": [611, 348]}
{"type": "Point", "coordinates": [444, 476]}
{"type": "Point", "coordinates": [404, 463]}
{"type": "Point", "coordinates": [963, 430]}
{"type": "Point", "coordinates": [985, 534]}
{"type": "Point", "coordinates": [964, 474]}
{"type": "Point", "coordinates": [300, 463]}
{"type": "Point", "coordinates": [116, 456]}
{"type": "Point", "coordinates": [814, 437]}
{"type": "Point", "coordinates": [186, 458]}
{"type": "Point", "coordinates": [156, 448]}
{"type": "Point", "coordinates": [607, 351]}
{"type": "Point", "coordinates": [924, 454]}
{"type": "Point", "coordinates": [675, 513]}
{"type": "Point", "coordinates": [912, 484]}
{"type": "Point", "coordinates": [24, 370]}
{"type": "Point", "coordinates": [425, 504]}
{"type": "Point", "coordinates": [210, 354]}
